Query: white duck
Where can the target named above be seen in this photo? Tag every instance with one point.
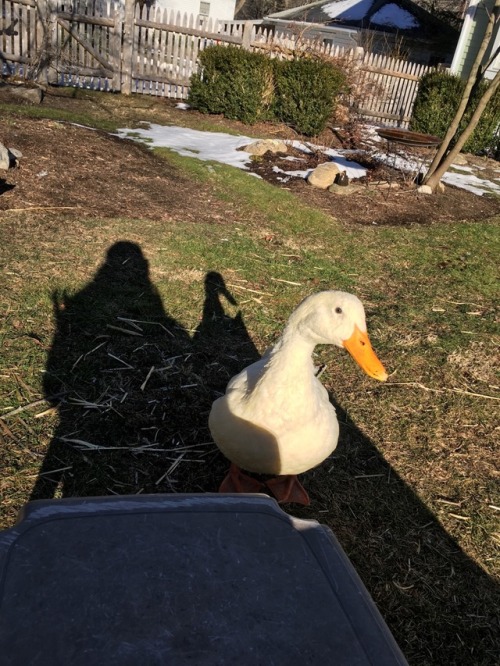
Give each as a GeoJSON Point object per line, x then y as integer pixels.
{"type": "Point", "coordinates": [275, 417]}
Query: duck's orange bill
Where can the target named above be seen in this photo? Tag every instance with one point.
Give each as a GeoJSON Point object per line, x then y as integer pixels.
{"type": "Point", "coordinates": [360, 348]}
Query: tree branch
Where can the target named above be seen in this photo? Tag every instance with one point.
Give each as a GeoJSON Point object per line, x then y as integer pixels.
{"type": "Point", "coordinates": [476, 74]}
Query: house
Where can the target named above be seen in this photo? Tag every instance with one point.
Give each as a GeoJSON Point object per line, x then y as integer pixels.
{"type": "Point", "coordinates": [392, 27]}
{"type": "Point", "coordinates": [215, 9]}
{"type": "Point", "coordinates": [471, 36]}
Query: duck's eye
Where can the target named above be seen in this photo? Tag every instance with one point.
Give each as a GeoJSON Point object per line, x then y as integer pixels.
{"type": "Point", "coordinates": [338, 310]}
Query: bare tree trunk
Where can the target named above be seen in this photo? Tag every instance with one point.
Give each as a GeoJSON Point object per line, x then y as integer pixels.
{"type": "Point", "coordinates": [239, 6]}
{"type": "Point", "coordinates": [433, 180]}
{"type": "Point", "coordinates": [475, 75]}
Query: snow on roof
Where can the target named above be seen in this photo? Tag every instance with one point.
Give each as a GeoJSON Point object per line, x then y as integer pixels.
{"type": "Point", "coordinates": [395, 17]}
{"type": "Point", "coordinates": [348, 10]}
{"type": "Point", "coordinates": [390, 15]}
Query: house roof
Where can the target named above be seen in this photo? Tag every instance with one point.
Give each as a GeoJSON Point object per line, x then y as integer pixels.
{"type": "Point", "coordinates": [401, 16]}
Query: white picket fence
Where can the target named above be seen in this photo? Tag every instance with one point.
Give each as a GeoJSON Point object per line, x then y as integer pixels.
{"type": "Point", "coordinates": [117, 46]}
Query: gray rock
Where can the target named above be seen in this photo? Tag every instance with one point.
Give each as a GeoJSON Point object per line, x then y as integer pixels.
{"type": "Point", "coordinates": [9, 157]}
{"type": "Point", "coordinates": [460, 160]}
{"type": "Point", "coordinates": [22, 94]}
{"type": "Point", "coordinates": [4, 157]}
{"type": "Point", "coordinates": [264, 146]}
{"type": "Point", "coordinates": [385, 185]}
{"type": "Point", "coordinates": [343, 189]}
{"type": "Point", "coordinates": [323, 175]}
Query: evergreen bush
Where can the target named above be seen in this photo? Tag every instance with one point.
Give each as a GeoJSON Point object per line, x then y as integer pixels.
{"type": "Point", "coordinates": [249, 87]}
{"type": "Point", "coordinates": [436, 103]}
{"type": "Point", "coordinates": [306, 93]}
{"type": "Point", "coordinates": [233, 82]}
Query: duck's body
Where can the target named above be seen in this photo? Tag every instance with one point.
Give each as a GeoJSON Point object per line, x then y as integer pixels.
{"type": "Point", "coordinates": [268, 413]}
{"type": "Point", "coordinates": [275, 417]}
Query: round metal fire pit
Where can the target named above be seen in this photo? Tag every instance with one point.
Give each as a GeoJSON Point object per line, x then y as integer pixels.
{"type": "Point", "coordinates": [408, 138]}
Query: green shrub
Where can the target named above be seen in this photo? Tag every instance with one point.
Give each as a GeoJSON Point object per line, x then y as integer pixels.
{"type": "Point", "coordinates": [436, 103]}
{"type": "Point", "coordinates": [233, 82]}
{"type": "Point", "coordinates": [249, 87]}
{"type": "Point", "coordinates": [305, 93]}
{"type": "Point", "coordinates": [486, 137]}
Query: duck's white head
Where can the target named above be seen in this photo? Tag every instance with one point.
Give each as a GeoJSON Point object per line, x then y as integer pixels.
{"type": "Point", "coordinates": [337, 318]}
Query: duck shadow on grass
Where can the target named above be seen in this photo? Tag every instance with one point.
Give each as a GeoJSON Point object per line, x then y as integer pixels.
{"type": "Point", "coordinates": [133, 390]}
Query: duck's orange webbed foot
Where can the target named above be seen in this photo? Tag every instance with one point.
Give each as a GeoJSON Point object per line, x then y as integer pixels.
{"type": "Point", "coordinates": [237, 481]}
{"type": "Point", "coordinates": [287, 488]}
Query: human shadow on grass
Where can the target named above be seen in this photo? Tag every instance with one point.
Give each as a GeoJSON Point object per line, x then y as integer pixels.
{"type": "Point", "coordinates": [132, 388]}
{"type": "Point", "coordinates": [439, 604]}
{"type": "Point", "coordinates": [110, 367]}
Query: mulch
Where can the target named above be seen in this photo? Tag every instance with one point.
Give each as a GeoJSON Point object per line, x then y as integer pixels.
{"type": "Point", "coordinates": [74, 169]}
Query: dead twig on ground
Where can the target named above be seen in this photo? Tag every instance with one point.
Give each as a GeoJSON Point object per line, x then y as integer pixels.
{"type": "Point", "coordinates": [24, 210]}
{"type": "Point", "coordinates": [124, 330]}
{"type": "Point", "coordinates": [36, 403]}
{"type": "Point", "coordinates": [444, 390]}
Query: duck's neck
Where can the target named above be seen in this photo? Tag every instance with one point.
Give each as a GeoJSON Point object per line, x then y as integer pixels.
{"type": "Point", "coordinates": [292, 352]}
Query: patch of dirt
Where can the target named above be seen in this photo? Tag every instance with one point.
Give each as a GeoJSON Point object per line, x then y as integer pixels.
{"type": "Point", "coordinates": [69, 168]}
{"type": "Point", "coordinates": [385, 196]}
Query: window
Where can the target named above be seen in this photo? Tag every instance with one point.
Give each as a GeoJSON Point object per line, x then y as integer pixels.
{"type": "Point", "coordinates": [204, 8]}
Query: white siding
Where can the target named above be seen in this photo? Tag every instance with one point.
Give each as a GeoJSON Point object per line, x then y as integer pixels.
{"type": "Point", "coordinates": [495, 65]}
{"type": "Point", "coordinates": [219, 9]}
{"type": "Point", "coordinates": [470, 40]}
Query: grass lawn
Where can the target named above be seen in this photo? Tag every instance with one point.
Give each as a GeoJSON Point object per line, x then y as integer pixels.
{"type": "Point", "coordinates": [118, 333]}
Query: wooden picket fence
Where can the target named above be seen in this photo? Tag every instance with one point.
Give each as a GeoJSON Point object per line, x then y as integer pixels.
{"type": "Point", "coordinates": [117, 46]}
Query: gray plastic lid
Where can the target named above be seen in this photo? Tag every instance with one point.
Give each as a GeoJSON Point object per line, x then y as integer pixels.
{"type": "Point", "coordinates": [181, 579]}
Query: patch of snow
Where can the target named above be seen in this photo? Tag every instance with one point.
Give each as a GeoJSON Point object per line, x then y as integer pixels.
{"type": "Point", "coordinates": [304, 147]}
{"type": "Point", "coordinates": [349, 10]}
{"type": "Point", "coordinates": [295, 174]}
{"type": "Point", "coordinates": [352, 169]}
{"type": "Point", "coordinates": [214, 146]}
{"type": "Point", "coordinates": [226, 149]}
{"type": "Point", "coordinates": [395, 17]}
{"type": "Point", "coordinates": [402, 161]}
{"type": "Point", "coordinates": [462, 167]}
{"type": "Point", "coordinates": [182, 106]}
{"type": "Point", "coordinates": [471, 183]}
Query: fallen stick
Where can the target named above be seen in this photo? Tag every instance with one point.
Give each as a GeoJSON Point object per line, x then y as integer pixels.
{"type": "Point", "coordinates": [36, 403]}
{"type": "Point", "coordinates": [143, 385]}
{"type": "Point", "coordinates": [296, 284]}
{"type": "Point", "coordinates": [22, 210]}
{"type": "Point", "coordinates": [123, 330]}
{"type": "Point", "coordinates": [254, 291]}
{"type": "Point", "coordinates": [445, 390]}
